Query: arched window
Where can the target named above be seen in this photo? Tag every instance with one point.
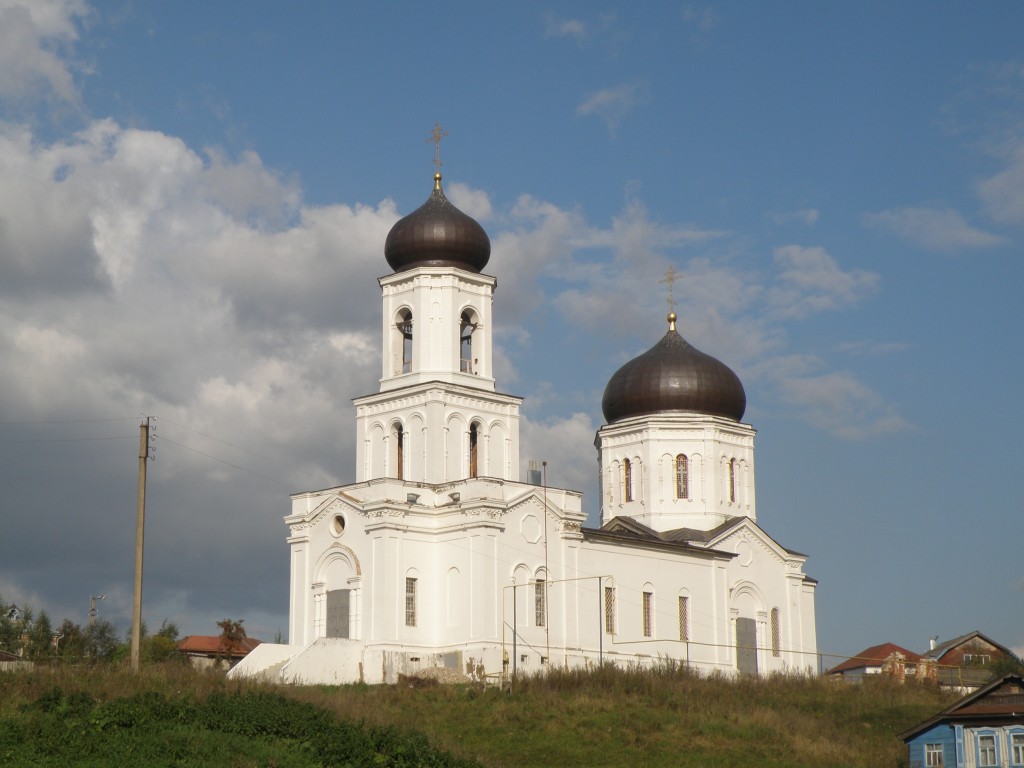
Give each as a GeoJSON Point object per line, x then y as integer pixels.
{"type": "Point", "coordinates": [732, 480]}
{"type": "Point", "coordinates": [466, 328]}
{"type": "Point", "coordinates": [776, 633]}
{"type": "Point", "coordinates": [398, 437]}
{"type": "Point", "coordinates": [647, 606]}
{"type": "Point", "coordinates": [684, 618]}
{"type": "Point", "coordinates": [627, 480]}
{"type": "Point", "coordinates": [540, 605]}
{"type": "Point", "coordinates": [682, 477]}
{"type": "Point", "coordinates": [410, 601]}
{"type": "Point", "coordinates": [405, 328]}
{"type": "Point", "coordinates": [474, 441]}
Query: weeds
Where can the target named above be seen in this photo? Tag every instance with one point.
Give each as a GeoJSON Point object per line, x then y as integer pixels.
{"type": "Point", "coordinates": [169, 715]}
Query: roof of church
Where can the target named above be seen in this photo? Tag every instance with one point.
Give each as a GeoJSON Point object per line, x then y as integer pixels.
{"type": "Point", "coordinates": [628, 530]}
{"type": "Point", "coordinates": [673, 375]}
{"type": "Point", "coordinates": [437, 234]}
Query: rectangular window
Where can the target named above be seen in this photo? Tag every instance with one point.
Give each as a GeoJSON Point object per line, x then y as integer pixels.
{"type": "Point", "coordinates": [1017, 745]}
{"type": "Point", "coordinates": [684, 618]}
{"type": "Point", "coordinates": [987, 751]}
{"type": "Point", "coordinates": [410, 602]}
{"type": "Point", "coordinates": [933, 756]}
{"type": "Point", "coordinates": [976, 659]}
{"type": "Point", "coordinates": [609, 610]}
{"type": "Point", "coordinates": [539, 602]}
{"type": "Point", "coordinates": [648, 600]}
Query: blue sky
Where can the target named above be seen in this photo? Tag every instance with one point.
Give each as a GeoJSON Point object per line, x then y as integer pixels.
{"type": "Point", "coordinates": [193, 204]}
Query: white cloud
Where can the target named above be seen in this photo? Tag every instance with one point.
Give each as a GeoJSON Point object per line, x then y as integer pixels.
{"type": "Point", "coordinates": [472, 202]}
{"type": "Point", "coordinates": [563, 443]}
{"type": "Point", "coordinates": [31, 36]}
{"type": "Point", "coordinates": [806, 216]}
{"type": "Point", "coordinates": [703, 18]}
{"type": "Point", "coordinates": [933, 229]}
{"type": "Point", "coordinates": [574, 28]}
{"type": "Point", "coordinates": [613, 104]}
{"type": "Point", "coordinates": [809, 280]}
{"type": "Point", "coordinates": [1003, 194]}
{"type": "Point", "coordinates": [840, 404]}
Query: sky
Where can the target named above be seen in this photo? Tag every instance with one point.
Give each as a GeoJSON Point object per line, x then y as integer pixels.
{"type": "Point", "coordinates": [194, 199]}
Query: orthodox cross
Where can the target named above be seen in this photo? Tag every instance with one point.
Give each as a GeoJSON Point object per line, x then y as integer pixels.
{"type": "Point", "coordinates": [671, 275]}
{"type": "Point", "coordinates": [435, 136]}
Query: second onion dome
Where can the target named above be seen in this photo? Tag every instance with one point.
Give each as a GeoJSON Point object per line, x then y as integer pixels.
{"type": "Point", "coordinates": [437, 234]}
{"type": "Point", "coordinates": [673, 376]}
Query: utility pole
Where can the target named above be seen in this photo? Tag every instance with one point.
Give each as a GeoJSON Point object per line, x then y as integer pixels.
{"type": "Point", "coordinates": [140, 524]}
{"type": "Point", "coordinates": [92, 608]}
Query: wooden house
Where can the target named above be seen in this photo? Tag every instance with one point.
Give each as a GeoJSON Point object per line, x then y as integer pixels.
{"type": "Point", "coordinates": [985, 729]}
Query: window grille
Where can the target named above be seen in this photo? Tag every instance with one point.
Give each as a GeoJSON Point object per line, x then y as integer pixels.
{"type": "Point", "coordinates": [732, 480]}
{"type": "Point", "coordinates": [627, 480]}
{"type": "Point", "coordinates": [648, 600]}
{"type": "Point", "coordinates": [682, 477]}
{"type": "Point", "coordinates": [684, 618]}
{"type": "Point", "coordinates": [539, 602]}
{"type": "Point", "coordinates": [410, 602]}
{"type": "Point", "coordinates": [609, 610]}
{"type": "Point", "coordinates": [776, 633]}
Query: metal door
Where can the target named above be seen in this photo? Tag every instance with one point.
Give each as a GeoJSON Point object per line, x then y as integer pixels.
{"type": "Point", "coordinates": [746, 646]}
{"type": "Point", "coordinates": [337, 612]}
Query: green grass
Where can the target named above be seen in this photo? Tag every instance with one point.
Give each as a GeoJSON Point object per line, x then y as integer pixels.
{"type": "Point", "coordinates": [608, 717]}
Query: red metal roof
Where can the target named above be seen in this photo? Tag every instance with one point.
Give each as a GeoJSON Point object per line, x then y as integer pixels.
{"type": "Point", "coordinates": [873, 657]}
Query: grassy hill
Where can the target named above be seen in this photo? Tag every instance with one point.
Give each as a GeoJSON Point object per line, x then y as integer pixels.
{"type": "Point", "coordinates": [170, 715]}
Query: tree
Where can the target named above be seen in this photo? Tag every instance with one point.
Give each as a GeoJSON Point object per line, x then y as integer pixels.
{"type": "Point", "coordinates": [101, 641]}
{"type": "Point", "coordinates": [232, 635]}
{"type": "Point", "coordinates": [40, 638]}
{"type": "Point", "coordinates": [71, 640]}
{"type": "Point", "coordinates": [163, 646]}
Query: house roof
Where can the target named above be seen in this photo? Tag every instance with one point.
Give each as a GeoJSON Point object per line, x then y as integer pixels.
{"type": "Point", "coordinates": [211, 644]}
{"type": "Point", "coordinates": [5, 656]}
{"type": "Point", "coordinates": [942, 649]}
{"type": "Point", "coordinates": [1002, 699]}
{"type": "Point", "coordinates": [873, 657]}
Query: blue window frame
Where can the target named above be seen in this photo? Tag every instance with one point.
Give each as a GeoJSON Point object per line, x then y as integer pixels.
{"type": "Point", "coordinates": [933, 756]}
{"type": "Point", "coordinates": [1016, 739]}
{"type": "Point", "coordinates": [986, 749]}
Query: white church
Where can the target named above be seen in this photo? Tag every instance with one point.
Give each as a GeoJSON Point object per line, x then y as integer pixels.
{"type": "Point", "coordinates": [440, 559]}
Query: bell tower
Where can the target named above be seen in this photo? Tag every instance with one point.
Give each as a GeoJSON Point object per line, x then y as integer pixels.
{"type": "Point", "coordinates": [437, 417]}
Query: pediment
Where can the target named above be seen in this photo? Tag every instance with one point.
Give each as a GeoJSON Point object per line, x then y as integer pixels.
{"type": "Point", "coordinates": [743, 533]}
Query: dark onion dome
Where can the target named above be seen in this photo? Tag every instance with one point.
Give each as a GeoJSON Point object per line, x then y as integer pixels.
{"type": "Point", "coordinates": [673, 376]}
{"type": "Point", "coordinates": [437, 234]}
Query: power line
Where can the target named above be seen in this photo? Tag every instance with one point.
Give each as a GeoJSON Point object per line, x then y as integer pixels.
{"type": "Point", "coordinates": [70, 439]}
{"type": "Point", "coordinates": [224, 461]}
{"type": "Point", "coordinates": [66, 421]}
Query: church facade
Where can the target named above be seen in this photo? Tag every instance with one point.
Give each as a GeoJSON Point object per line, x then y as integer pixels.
{"type": "Point", "coordinates": [440, 560]}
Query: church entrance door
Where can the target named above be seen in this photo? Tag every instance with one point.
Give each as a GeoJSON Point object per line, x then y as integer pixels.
{"type": "Point", "coordinates": [338, 612]}
{"type": "Point", "coordinates": [746, 646]}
